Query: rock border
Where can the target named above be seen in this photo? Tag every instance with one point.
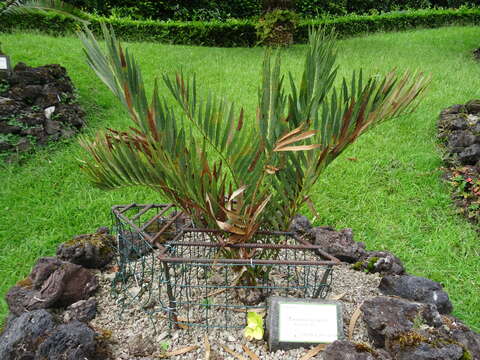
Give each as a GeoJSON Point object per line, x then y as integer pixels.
{"type": "Point", "coordinates": [459, 134]}
{"type": "Point", "coordinates": [52, 308]}
{"type": "Point", "coordinates": [38, 105]}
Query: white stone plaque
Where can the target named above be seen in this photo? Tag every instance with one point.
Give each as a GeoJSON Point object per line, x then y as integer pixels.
{"type": "Point", "coordinates": [307, 323]}
{"type": "Point", "coordinates": [3, 63]}
{"type": "Point", "coordinates": [293, 323]}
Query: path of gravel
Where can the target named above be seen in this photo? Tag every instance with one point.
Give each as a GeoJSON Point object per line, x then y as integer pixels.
{"type": "Point", "coordinates": [133, 333]}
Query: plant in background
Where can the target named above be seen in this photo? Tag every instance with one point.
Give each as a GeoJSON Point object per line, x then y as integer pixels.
{"type": "Point", "coordinates": [57, 6]}
{"type": "Point", "coordinates": [276, 27]}
{"type": "Point", "coordinates": [217, 165]}
{"type": "Point", "coordinates": [277, 24]}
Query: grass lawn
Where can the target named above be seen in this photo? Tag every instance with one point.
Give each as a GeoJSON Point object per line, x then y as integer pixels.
{"type": "Point", "coordinates": [386, 187]}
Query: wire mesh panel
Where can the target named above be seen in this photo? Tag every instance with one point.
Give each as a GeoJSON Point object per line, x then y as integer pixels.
{"type": "Point", "coordinates": [194, 279]}
{"type": "Point", "coordinates": [142, 227]}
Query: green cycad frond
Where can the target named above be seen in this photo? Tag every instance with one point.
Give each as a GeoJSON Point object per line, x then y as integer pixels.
{"type": "Point", "coordinates": [217, 166]}
{"type": "Point", "coordinates": [27, 6]}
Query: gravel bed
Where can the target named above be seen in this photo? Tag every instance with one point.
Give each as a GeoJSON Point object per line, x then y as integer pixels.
{"type": "Point", "coordinates": [133, 334]}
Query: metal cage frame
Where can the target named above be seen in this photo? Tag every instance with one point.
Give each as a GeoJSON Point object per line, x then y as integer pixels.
{"type": "Point", "coordinates": [180, 271]}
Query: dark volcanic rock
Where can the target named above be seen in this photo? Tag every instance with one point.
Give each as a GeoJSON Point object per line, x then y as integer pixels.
{"type": "Point", "coordinates": [8, 107]}
{"type": "Point", "coordinates": [382, 262]}
{"type": "Point", "coordinates": [338, 243]}
{"type": "Point", "coordinates": [417, 289]}
{"type": "Point", "coordinates": [83, 310]}
{"type": "Point", "coordinates": [386, 263]}
{"type": "Point", "coordinates": [43, 269]}
{"type": "Point", "coordinates": [473, 106]}
{"type": "Point", "coordinates": [346, 350]}
{"type": "Point", "coordinates": [389, 317]}
{"type": "Point", "coordinates": [52, 127]}
{"type": "Point", "coordinates": [72, 341]}
{"type": "Point", "coordinates": [9, 129]}
{"type": "Point", "coordinates": [23, 145]}
{"type": "Point", "coordinates": [300, 224]}
{"type": "Point", "coordinates": [23, 334]}
{"type": "Point", "coordinates": [470, 155]}
{"type": "Point", "coordinates": [459, 128]}
{"type": "Point", "coordinates": [454, 109]}
{"type": "Point", "coordinates": [89, 250]}
{"type": "Point", "coordinates": [476, 54]}
{"type": "Point", "coordinates": [461, 139]}
{"type": "Point", "coordinates": [459, 332]}
{"type": "Point", "coordinates": [430, 352]}
{"type": "Point", "coordinates": [52, 283]}
{"type": "Point", "coordinates": [29, 92]}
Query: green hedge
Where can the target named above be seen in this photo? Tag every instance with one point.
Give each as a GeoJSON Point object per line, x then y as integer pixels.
{"type": "Point", "coordinates": [355, 24]}
{"type": "Point", "coordinates": [206, 10]}
{"type": "Point", "coordinates": [240, 32]}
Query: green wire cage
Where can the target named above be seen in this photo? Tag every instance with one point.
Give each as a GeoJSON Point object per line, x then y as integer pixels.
{"type": "Point", "coordinates": [191, 277]}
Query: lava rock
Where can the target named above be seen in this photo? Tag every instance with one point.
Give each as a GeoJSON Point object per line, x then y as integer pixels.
{"type": "Point", "coordinates": [52, 127]}
{"type": "Point", "coordinates": [429, 352]}
{"type": "Point", "coordinates": [417, 289]}
{"type": "Point", "coordinates": [476, 54]}
{"type": "Point", "coordinates": [26, 93]}
{"type": "Point", "coordinates": [72, 341]}
{"type": "Point", "coordinates": [473, 106]}
{"type": "Point", "coordinates": [43, 269]}
{"type": "Point", "coordinates": [34, 131]}
{"type": "Point", "coordinates": [29, 92]}
{"type": "Point", "coordinates": [454, 109]}
{"type": "Point", "coordinates": [25, 75]}
{"type": "Point", "coordinates": [338, 243]}
{"type": "Point", "coordinates": [461, 139]}
{"type": "Point", "coordinates": [300, 224]}
{"type": "Point", "coordinates": [9, 129]}
{"type": "Point", "coordinates": [389, 317]}
{"type": "Point", "coordinates": [382, 262]}
{"type": "Point", "coordinates": [458, 123]}
{"type": "Point", "coordinates": [83, 310]}
{"type": "Point", "coordinates": [346, 350]}
{"type": "Point", "coordinates": [459, 332]}
{"type": "Point", "coordinates": [52, 283]}
{"type": "Point", "coordinates": [50, 97]}
{"type": "Point", "coordinates": [23, 145]}
{"type": "Point", "coordinates": [89, 250]}
{"type": "Point", "coordinates": [33, 119]}
{"type": "Point", "coordinates": [70, 113]}
{"type": "Point", "coordinates": [23, 334]}
{"type": "Point", "coordinates": [8, 106]}
{"type": "Point", "coordinates": [470, 155]}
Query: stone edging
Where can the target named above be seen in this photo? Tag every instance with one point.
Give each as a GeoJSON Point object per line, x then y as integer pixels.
{"type": "Point", "coordinates": [52, 307]}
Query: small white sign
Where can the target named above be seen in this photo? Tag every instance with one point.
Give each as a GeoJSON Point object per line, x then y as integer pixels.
{"type": "Point", "coordinates": [307, 323]}
{"type": "Point", "coordinates": [3, 63]}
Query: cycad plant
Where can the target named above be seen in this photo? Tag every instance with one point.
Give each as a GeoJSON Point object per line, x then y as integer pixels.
{"type": "Point", "coordinates": [22, 7]}
{"type": "Point", "coordinates": [226, 170]}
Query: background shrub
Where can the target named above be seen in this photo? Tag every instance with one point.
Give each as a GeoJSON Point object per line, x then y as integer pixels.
{"type": "Point", "coordinates": [233, 32]}
{"type": "Point", "coordinates": [205, 10]}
